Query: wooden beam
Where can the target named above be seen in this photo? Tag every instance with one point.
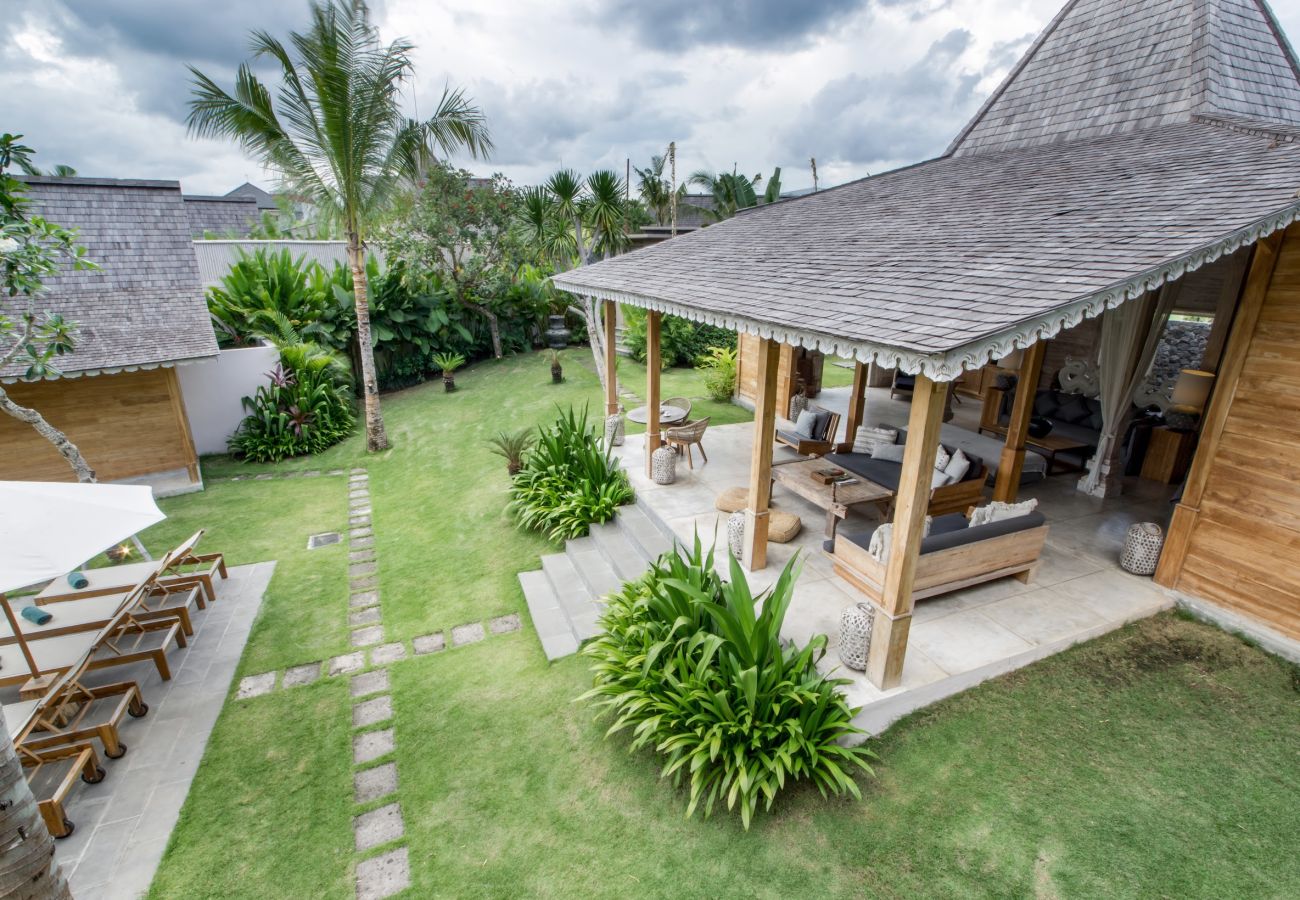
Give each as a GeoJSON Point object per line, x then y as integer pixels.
{"type": "Point", "coordinates": [760, 463]}
{"type": "Point", "coordinates": [611, 358]}
{"type": "Point", "coordinates": [1263, 262]}
{"type": "Point", "coordinates": [183, 420]}
{"type": "Point", "coordinates": [1013, 451]}
{"type": "Point", "coordinates": [857, 405]}
{"type": "Point", "coordinates": [894, 618]}
{"type": "Point", "coordinates": [653, 369]}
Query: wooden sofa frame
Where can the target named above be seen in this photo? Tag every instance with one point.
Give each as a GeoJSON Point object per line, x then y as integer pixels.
{"type": "Point", "coordinates": [810, 446]}
{"type": "Point", "coordinates": [1015, 555]}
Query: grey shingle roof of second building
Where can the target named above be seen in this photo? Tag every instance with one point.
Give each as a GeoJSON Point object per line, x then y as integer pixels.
{"type": "Point", "coordinates": [143, 306]}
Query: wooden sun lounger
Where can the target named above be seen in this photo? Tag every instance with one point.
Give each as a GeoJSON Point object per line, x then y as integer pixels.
{"type": "Point", "coordinates": [155, 604]}
{"type": "Point", "coordinates": [72, 712]}
{"type": "Point", "coordinates": [181, 566]}
{"type": "Point", "coordinates": [52, 774]}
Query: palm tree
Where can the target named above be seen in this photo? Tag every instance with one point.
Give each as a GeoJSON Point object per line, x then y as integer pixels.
{"type": "Point", "coordinates": [655, 191]}
{"type": "Point", "coordinates": [733, 192]}
{"type": "Point", "coordinates": [336, 133]}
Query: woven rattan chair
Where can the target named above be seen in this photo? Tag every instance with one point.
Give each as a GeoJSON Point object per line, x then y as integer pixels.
{"type": "Point", "coordinates": [681, 403]}
{"type": "Point", "coordinates": [682, 437]}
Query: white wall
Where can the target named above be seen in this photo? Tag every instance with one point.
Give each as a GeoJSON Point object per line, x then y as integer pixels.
{"type": "Point", "coordinates": [214, 388]}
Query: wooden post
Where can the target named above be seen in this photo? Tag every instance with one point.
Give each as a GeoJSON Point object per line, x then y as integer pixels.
{"type": "Point", "coordinates": [1183, 520]}
{"type": "Point", "coordinates": [857, 405]}
{"type": "Point", "coordinates": [183, 420]}
{"type": "Point", "coordinates": [611, 358]}
{"type": "Point", "coordinates": [653, 365]}
{"type": "Point", "coordinates": [760, 463]}
{"type": "Point", "coordinates": [894, 617]}
{"type": "Point", "coordinates": [1013, 452]}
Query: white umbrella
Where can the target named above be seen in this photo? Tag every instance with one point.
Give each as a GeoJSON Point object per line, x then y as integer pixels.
{"type": "Point", "coordinates": [50, 528]}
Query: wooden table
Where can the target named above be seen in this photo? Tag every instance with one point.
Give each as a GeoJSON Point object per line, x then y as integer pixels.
{"type": "Point", "coordinates": [1049, 445]}
{"type": "Point", "coordinates": [668, 415]}
{"type": "Point", "coordinates": [836, 499]}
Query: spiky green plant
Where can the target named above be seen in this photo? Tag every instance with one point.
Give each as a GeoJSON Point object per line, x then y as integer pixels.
{"type": "Point", "coordinates": [694, 674]}
{"type": "Point", "coordinates": [448, 363]}
{"type": "Point", "coordinates": [512, 446]}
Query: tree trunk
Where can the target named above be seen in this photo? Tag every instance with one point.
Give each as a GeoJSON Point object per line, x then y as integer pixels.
{"type": "Point", "coordinates": [28, 869]}
{"type": "Point", "coordinates": [376, 437]}
{"type": "Point", "coordinates": [494, 326]}
{"type": "Point", "coordinates": [66, 448]}
{"type": "Point", "coordinates": [590, 312]}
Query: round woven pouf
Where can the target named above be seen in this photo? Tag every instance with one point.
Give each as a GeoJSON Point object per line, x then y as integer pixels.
{"type": "Point", "coordinates": [663, 465]}
{"type": "Point", "coordinates": [736, 533]}
{"type": "Point", "coordinates": [855, 635]}
{"type": "Point", "coordinates": [614, 430]}
{"type": "Point", "coordinates": [1142, 548]}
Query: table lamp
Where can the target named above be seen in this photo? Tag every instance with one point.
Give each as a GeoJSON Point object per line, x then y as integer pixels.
{"type": "Point", "coordinates": [1187, 402]}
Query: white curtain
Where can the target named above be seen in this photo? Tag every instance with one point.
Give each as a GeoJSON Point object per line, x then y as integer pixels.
{"type": "Point", "coordinates": [1130, 334]}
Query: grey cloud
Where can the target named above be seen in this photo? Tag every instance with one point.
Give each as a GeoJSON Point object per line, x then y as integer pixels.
{"type": "Point", "coordinates": [677, 25]}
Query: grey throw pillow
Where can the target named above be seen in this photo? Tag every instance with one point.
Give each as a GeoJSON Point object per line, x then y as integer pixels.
{"type": "Point", "coordinates": [889, 452]}
{"type": "Point", "coordinates": [805, 424]}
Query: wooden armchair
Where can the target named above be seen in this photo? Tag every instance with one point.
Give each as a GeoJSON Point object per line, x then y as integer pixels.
{"type": "Point", "coordinates": [681, 437]}
{"type": "Point", "coordinates": [819, 444]}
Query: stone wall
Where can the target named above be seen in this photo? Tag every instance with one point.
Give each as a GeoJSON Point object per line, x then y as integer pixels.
{"type": "Point", "coordinates": [1182, 346]}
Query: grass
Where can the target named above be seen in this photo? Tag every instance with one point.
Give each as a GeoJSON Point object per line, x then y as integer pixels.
{"type": "Point", "coordinates": [679, 382]}
{"type": "Point", "coordinates": [1160, 760]}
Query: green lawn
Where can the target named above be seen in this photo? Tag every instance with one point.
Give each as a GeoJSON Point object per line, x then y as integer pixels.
{"type": "Point", "coordinates": [679, 382]}
{"type": "Point", "coordinates": [1163, 760]}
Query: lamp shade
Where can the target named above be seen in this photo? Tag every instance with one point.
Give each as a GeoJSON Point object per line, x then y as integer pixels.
{"type": "Point", "coordinates": [1192, 390]}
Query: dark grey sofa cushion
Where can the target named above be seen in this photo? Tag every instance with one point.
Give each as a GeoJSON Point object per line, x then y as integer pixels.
{"type": "Point", "coordinates": [948, 531]}
{"type": "Point", "coordinates": [882, 472]}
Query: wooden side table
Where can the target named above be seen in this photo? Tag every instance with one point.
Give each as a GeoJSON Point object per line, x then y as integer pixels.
{"type": "Point", "coordinates": [1169, 455]}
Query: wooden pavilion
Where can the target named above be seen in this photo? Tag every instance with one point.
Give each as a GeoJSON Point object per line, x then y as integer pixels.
{"type": "Point", "coordinates": [1137, 142]}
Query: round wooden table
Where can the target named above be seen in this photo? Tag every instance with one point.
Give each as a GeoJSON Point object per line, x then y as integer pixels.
{"type": "Point", "coordinates": [668, 415]}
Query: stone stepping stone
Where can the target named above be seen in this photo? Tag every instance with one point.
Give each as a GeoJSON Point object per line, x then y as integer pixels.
{"type": "Point", "coordinates": [429, 643]}
{"type": "Point", "coordinates": [360, 511]}
{"type": "Point", "coordinates": [360, 570]}
{"type": "Point", "coordinates": [383, 875]}
{"type": "Point", "coordinates": [379, 826]}
{"type": "Point", "coordinates": [357, 533]}
{"type": "Point", "coordinates": [388, 653]}
{"type": "Point", "coordinates": [372, 711]}
{"type": "Point", "coordinates": [369, 582]}
{"type": "Point", "coordinates": [364, 637]}
{"type": "Point", "coordinates": [355, 521]}
{"type": "Point", "coordinates": [296, 676]}
{"type": "Point", "coordinates": [371, 745]}
{"type": "Point", "coordinates": [363, 599]}
{"type": "Point", "coordinates": [314, 473]}
{"type": "Point", "coordinates": [471, 633]}
{"type": "Point", "coordinates": [347, 663]}
{"type": "Point", "coordinates": [335, 472]}
{"type": "Point", "coordinates": [505, 624]}
{"type": "Point", "coordinates": [364, 617]}
{"type": "Point", "coordinates": [255, 685]}
{"type": "Point", "coordinates": [360, 493]}
{"type": "Point", "coordinates": [359, 542]}
{"type": "Point", "coordinates": [370, 683]}
{"type": "Point", "coordinates": [261, 477]}
{"type": "Point", "coordinates": [371, 784]}
{"type": "Point", "coordinates": [362, 555]}
{"type": "Point", "coordinates": [357, 470]}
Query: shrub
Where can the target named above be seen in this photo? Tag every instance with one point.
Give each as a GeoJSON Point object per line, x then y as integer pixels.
{"type": "Point", "coordinates": [568, 481]}
{"type": "Point", "coordinates": [719, 365]}
{"type": "Point", "coordinates": [694, 674]}
{"type": "Point", "coordinates": [681, 341]}
{"type": "Point", "coordinates": [263, 288]}
{"type": "Point", "coordinates": [303, 409]}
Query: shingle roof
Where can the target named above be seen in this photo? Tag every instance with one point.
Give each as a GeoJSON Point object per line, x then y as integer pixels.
{"type": "Point", "coordinates": [1110, 66]}
{"type": "Point", "coordinates": [931, 259]}
{"type": "Point", "coordinates": [263, 198]}
{"type": "Point", "coordinates": [220, 215]}
{"type": "Point", "coordinates": [1157, 135]}
{"type": "Point", "coordinates": [143, 306]}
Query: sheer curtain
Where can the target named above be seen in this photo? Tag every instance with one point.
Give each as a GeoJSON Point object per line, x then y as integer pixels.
{"type": "Point", "coordinates": [1130, 334]}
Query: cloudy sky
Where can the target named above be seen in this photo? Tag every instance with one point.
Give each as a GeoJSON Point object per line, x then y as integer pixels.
{"type": "Point", "coordinates": [862, 85]}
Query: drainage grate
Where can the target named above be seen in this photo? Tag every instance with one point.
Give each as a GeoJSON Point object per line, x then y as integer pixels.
{"type": "Point", "coordinates": [323, 540]}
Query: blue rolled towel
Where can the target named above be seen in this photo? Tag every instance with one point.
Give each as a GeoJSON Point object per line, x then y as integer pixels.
{"type": "Point", "coordinates": [36, 614]}
{"type": "Point", "coordinates": [77, 580]}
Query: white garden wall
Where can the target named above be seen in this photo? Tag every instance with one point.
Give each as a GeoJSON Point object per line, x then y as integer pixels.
{"type": "Point", "coordinates": [214, 388]}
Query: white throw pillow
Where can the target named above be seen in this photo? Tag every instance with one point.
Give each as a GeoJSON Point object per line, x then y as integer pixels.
{"type": "Point", "coordinates": [957, 467]}
{"type": "Point", "coordinates": [806, 422]}
{"type": "Point", "coordinates": [938, 479]}
{"type": "Point", "coordinates": [867, 438]}
{"type": "Point", "coordinates": [889, 452]}
{"type": "Point", "coordinates": [878, 547]}
{"type": "Point", "coordinates": [941, 458]}
{"type": "Point", "coordinates": [998, 511]}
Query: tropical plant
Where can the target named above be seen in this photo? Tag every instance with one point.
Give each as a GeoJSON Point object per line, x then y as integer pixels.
{"type": "Point", "coordinates": [732, 191]}
{"type": "Point", "coordinates": [655, 190]}
{"type": "Point", "coordinates": [303, 408]}
{"type": "Point", "coordinates": [336, 133]}
{"type": "Point", "coordinates": [511, 446]}
{"type": "Point", "coordinates": [264, 285]}
{"type": "Point", "coordinates": [719, 365]}
{"type": "Point", "coordinates": [448, 363]}
{"type": "Point", "coordinates": [681, 341]}
{"type": "Point", "coordinates": [31, 250]}
{"type": "Point", "coordinates": [569, 481]}
{"type": "Point", "coordinates": [557, 368]}
{"type": "Point", "coordinates": [686, 666]}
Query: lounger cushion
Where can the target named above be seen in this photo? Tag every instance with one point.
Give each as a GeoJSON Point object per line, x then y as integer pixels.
{"type": "Point", "coordinates": [949, 531]}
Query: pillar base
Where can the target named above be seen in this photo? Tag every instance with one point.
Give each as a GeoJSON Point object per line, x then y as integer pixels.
{"type": "Point", "coordinates": [755, 549]}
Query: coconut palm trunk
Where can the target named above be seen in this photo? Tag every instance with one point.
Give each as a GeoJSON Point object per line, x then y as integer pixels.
{"type": "Point", "coordinates": [28, 868]}
{"type": "Point", "coordinates": [376, 435]}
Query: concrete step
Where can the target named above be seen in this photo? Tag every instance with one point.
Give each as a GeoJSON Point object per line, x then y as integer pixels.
{"type": "Point", "coordinates": [624, 557]}
{"type": "Point", "coordinates": [643, 531]}
{"type": "Point", "coordinates": [553, 626]}
{"type": "Point", "coordinates": [593, 567]}
{"type": "Point", "coordinates": [577, 600]}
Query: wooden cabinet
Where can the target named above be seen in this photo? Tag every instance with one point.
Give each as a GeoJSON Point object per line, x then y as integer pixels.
{"type": "Point", "coordinates": [1169, 454]}
{"type": "Point", "coordinates": [977, 383]}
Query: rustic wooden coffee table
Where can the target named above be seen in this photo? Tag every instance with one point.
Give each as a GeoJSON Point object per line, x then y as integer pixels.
{"type": "Point", "coordinates": [836, 499]}
{"type": "Point", "coordinates": [1049, 445]}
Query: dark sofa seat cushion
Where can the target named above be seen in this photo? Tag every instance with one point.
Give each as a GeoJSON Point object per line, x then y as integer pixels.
{"type": "Point", "coordinates": [882, 472]}
{"type": "Point", "coordinates": [949, 531]}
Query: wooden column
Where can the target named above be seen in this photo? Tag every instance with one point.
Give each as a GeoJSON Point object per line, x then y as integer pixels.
{"type": "Point", "coordinates": [653, 369]}
{"type": "Point", "coordinates": [183, 421]}
{"type": "Point", "coordinates": [894, 617]}
{"type": "Point", "coordinates": [1013, 452]}
{"type": "Point", "coordinates": [1262, 264]}
{"type": "Point", "coordinates": [760, 463]}
{"type": "Point", "coordinates": [857, 405]}
{"type": "Point", "coordinates": [611, 358]}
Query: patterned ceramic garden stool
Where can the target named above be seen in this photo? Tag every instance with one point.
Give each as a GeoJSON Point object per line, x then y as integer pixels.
{"type": "Point", "coordinates": [736, 534]}
{"type": "Point", "coordinates": [614, 429]}
{"type": "Point", "coordinates": [855, 635]}
{"type": "Point", "coordinates": [663, 465]}
{"type": "Point", "coordinates": [1142, 548]}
